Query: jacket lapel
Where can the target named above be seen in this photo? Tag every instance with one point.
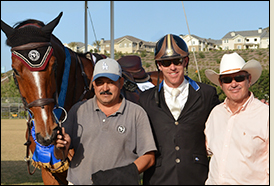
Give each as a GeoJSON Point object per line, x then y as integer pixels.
{"type": "Point", "coordinates": [193, 96]}
{"type": "Point", "coordinates": [163, 104]}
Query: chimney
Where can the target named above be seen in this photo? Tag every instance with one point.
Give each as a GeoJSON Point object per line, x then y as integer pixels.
{"type": "Point", "coordinates": [260, 30]}
{"type": "Point", "coordinates": [232, 33]}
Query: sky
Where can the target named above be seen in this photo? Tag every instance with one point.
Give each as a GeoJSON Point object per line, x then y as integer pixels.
{"type": "Point", "coordinates": [145, 20]}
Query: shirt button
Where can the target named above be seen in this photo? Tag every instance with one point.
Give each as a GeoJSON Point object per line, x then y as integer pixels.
{"type": "Point", "coordinates": [176, 122]}
{"type": "Point", "coordinates": [197, 159]}
{"type": "Point", "coordinates": [177, 160]}
{"type": "Point", "coordinates": [177, 148]}
{"type": "Point", "coordinates": [104, 120]}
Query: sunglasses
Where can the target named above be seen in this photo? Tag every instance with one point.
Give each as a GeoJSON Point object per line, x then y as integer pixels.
{"type": "Point", "coordinates": [167, 63]}
{"type": "Point", "coordinates": [238, 78]}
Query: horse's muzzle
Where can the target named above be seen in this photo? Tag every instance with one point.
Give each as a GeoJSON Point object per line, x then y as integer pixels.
{"type": "Point", "coordinates": [46, 141]}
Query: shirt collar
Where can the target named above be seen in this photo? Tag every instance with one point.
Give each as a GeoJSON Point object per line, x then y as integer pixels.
{"type": "Point", "coordinates": [181, 87]}
{"type": "Point", "coordinates": [120, 110]}
{"type": "Point", "coordinates": [244, 106]}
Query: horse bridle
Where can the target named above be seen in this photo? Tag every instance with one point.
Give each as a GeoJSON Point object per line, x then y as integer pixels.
{"type": "Point", "coordinates": [41, 102]}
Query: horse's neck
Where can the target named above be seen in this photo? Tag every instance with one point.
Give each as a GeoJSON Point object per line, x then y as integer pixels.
{"type": "Point", "coordinates": [58, 47]}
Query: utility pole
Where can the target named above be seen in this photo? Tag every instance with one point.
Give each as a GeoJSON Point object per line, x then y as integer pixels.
{"type": "Point", "coordinates": [112, 29]}
{"type": "Point", "coordinates": [86, 27]}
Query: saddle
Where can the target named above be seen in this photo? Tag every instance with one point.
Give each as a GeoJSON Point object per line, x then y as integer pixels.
{"type": "Point", "coordinates": [133, 65]}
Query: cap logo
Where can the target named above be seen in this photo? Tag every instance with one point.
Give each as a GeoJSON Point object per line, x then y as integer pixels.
{"type": "Point", "coordinates": [104, 66]}
{"type": "Point", "coordinates": [34, 55]}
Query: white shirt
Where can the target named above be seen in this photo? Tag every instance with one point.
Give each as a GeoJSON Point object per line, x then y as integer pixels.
{"type": "Point", "coordinates": [239, 144]}
{"type": "Point", "coordinates": [182, 98]}
{"type": "Point", "coordinates": [145, 85]}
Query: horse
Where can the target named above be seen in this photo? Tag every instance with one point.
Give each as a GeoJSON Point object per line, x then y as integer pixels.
{"type": "Point", "coordinates": [51, 78]}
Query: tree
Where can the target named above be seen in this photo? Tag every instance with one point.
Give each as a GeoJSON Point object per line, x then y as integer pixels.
{"type": "Point", "coordinates": [9, 89]}
{"type": "Point", "coordinates": [72, 45]}
{"type": "Point", "coordinates": [97, 44]}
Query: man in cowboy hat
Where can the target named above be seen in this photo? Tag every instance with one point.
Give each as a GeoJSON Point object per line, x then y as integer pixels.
{"type": "Point", "coordinates": [237, 130]}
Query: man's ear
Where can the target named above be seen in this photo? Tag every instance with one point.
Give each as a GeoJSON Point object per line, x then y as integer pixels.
{"type": "Point", "coordinates": [186, 60]}
{"type": "Point", "coordinates": [159, 66]}
{"type": "Point", "coordinates": [249, 80]}
{"type": "Point", "coordinates": [121, 80]}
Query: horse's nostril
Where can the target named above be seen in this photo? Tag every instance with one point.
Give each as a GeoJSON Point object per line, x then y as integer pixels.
{"type": "Point", "coordinates": [43, 141]}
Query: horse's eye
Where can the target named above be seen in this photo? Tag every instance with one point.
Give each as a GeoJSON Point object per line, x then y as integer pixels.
{"type": "Point", "coordinates": [15, 72]}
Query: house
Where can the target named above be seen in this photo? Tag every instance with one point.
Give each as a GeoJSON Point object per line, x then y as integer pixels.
{"type": "Point", "coordinates": [79, 47]}
{"type": "Point", "coordinates": [127, 44]}
{"type": "Point", "coordinates": [196, 43]}
{"type": "Point", "coordinates": [252, 39]}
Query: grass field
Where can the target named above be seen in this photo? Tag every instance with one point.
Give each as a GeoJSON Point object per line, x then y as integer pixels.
{"type": "Point", "coordinates": [13, 167]}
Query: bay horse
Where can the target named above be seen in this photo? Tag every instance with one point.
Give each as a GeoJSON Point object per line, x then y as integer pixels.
{"type": "Point", "coordinates": [51, 79]}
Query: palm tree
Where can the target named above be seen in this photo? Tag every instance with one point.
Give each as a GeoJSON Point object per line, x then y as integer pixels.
{"type": "Point", "coordinates": [72, 45]}
{"type": "Point", "coordinates": [96, 43]}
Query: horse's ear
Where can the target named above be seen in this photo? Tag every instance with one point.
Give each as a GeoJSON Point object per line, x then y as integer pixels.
{"type": "Point", "coordinates": [50, 26]}
{"type": "Point", "coordinates": [6, 29]}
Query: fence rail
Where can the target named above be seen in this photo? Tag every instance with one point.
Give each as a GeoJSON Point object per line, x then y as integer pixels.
{"type": "Point", "coordinates": [12, 108]}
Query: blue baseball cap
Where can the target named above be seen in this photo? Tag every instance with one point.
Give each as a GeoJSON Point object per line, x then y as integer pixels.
{"type": "Point", "coordinates": [109, 68]}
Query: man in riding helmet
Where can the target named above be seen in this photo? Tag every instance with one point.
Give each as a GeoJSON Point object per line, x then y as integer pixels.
{"type": "Point", "coordinates": [181, 157]}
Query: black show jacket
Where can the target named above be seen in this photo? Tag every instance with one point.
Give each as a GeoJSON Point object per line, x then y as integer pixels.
{"type": "Point", "coordinates": [181, 157]}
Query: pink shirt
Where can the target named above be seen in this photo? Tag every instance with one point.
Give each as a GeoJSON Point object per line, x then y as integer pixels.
{"type": "Point", "coordinates": [238, 144]}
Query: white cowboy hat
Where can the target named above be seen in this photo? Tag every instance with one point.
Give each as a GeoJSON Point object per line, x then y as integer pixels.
{"type": "Point", "coordinates": [232, 63]}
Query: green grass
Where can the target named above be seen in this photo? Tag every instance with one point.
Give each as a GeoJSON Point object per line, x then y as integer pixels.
{"type": "Point", "coordinates": [15, 173]}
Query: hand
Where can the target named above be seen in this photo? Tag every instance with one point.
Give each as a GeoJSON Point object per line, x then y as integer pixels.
{"type": "Point", "coordinates": [63, 141]}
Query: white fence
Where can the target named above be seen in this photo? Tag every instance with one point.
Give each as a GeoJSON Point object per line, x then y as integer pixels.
{"type": "Point", "coordinates": [12, 108]}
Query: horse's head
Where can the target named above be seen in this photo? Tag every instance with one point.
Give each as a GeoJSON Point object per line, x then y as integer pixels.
{"type": "Point", "coordinates": [34, 67]}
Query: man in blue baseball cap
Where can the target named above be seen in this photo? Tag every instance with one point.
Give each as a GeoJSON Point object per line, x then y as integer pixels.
{"type": "Point", "coordinates": [110, 135]}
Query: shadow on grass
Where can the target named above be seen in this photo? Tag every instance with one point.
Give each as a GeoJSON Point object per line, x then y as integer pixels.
{"type": "Point", "coordinates": [16, 172]}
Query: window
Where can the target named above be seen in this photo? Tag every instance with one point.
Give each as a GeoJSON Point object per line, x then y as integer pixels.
{"type": "Point", "coordinates": [129, 44]}
{"type": "Point", "coordinates": [247, 40]}
{"type": "Point", "coordinates": [125, 45]}
{"type": "Point", "coordinates": [239, 40]}
{"type": "Point", "coordinates": [239, 47]}
{"type": "Point", "coordinates": [107, 45]}
{"type": "Point", "coordinates": [255, 39]}
{"type": "Point", "coordinates": [193, 42]}
{"type": "Point", "coordinates": [193, 48]}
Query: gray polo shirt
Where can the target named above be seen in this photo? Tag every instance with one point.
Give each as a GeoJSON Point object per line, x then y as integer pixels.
{"type": "Point", "coordinates": [101, 142]}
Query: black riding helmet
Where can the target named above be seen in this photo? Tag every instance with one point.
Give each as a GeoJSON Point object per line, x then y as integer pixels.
{"type": "Point", "coordinates": [169, 47]}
